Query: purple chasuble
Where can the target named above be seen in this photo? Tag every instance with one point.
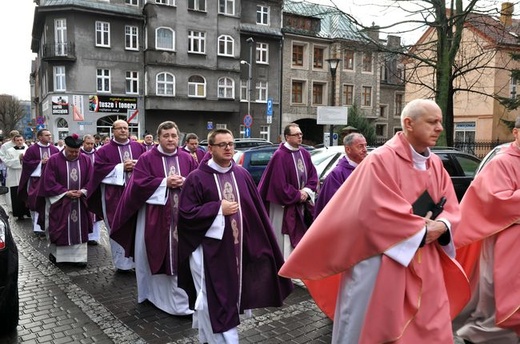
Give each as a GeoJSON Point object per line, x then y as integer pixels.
{"type": "Point", "coordinates": [171, 164]}
{"type": "Point", "coordinates": [69, 220]}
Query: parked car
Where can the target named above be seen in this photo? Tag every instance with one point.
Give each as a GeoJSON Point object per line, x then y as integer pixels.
{"type": "Point", "coordinates": [491, 155]}
{"type": "Point", "coordinates": [255, 159]}
{"type": "Point", "coordinates": [460, 166]}
{"type": "Point", "coordinates": [8, 275]}
{"type": "Point", "coordinates": [243, 143]}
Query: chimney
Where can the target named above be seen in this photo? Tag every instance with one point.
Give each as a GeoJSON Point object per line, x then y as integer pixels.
{"type": "Point", "coordinates": [506, 13]}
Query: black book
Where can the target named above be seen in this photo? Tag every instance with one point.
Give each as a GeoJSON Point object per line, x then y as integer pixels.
{"type": "Point", "coordinates": [423, 204]}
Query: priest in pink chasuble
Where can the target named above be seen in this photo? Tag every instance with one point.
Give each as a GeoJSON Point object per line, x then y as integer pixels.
{"type": "Point", "coordinates": [67, 220]}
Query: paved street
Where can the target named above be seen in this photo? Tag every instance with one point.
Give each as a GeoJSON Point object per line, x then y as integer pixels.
{"type": "Point", "coordinates": [68, 304]}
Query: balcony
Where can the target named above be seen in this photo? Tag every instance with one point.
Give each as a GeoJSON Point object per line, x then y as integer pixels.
{"type": "Point", "coordinates": [59, 52]}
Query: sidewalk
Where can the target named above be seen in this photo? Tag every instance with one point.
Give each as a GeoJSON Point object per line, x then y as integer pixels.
{"type": "Point", "coordinates": [68, 304]}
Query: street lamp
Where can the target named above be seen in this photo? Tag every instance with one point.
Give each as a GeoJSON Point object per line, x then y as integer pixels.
{"type": "Point", "coordinates": [243, 62]}
{"type": "Point", "coordinates": [333, 65]}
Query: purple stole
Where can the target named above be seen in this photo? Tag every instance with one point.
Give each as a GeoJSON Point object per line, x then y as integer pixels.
{"type": "Point", "coordinates": [125, 153]}
{"type": "Point", "coordinates": [148, 147]}
{"type": "Point", "coordinates": [90, 154]}
{"type": "Point", "coordinates": [301, 174]}
{"type": "Point", "coordinates": [74, 183]}
{"type": "Point", "coordinates": [228, 190]}
{"type": "Point", "coordinates": [171, 167]}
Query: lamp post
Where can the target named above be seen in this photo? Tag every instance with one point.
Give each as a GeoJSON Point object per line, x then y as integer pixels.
{"type": "Point", "coordinates": [333, 66]}
{"type": "Point", "coordinates": [248, 86]}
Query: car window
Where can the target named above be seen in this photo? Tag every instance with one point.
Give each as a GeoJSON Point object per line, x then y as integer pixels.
{"type": "Point", "coordinates": [260, 158]}
{"type": "Point", "coordinates": [468, 164]}
{"type": "Point", "coordinates": [448, 164]}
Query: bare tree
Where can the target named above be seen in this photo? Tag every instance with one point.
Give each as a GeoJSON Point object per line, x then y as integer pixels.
{"type": "Point", "coordinates": [11, 112]}
{"type": "Point", "coordinates": [438, 64]}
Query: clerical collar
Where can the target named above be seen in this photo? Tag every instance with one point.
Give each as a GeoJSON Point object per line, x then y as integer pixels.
{"type": "Point", "coordinates": [217, 167]}
{"type": "Point", "coordinates": [42, 145]}
{"type": "Point", "coordinates": [65, 155]}
{"type": "Point", "coordinates": [350, 162]}
{"type": "Point", "coordinates": [160, 149]}
{"type": "Point", "coordinates": [419, 160]}
{"type": "Point", "coordinates": [288, 146]}
{"type": "Point", "coordinates": [122, 144]}
{"type": "Point", "coordinates": [18, 147]}
{"type": "Point", "coordinates": [91, 152]}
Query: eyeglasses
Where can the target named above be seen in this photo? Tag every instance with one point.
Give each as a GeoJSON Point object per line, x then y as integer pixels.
{"type": "Point", "coordinates": [224, 144]}
{"type": "Point", "coordinates": [296, 134]}
{"type": "Point", "coordinates": [121, 128]}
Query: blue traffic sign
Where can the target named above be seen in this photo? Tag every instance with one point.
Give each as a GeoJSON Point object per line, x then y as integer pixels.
{"type": "Point", "coordinates": [248, 121]}
{"type": "Point", "coordinates": [269, 110]}
{"type": "Point", "coordinates": [247, 132]}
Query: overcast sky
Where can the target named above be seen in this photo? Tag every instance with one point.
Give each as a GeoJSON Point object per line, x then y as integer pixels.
{"type": "Point", "coordinates": [16, 18]}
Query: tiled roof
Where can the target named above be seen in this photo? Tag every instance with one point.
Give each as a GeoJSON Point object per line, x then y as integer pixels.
{"type": "Point", "coordinates": [494, 30]}
{"type": "Point", "coordinates": [94, 5]}
{"type": "Point", "coordinates": [334, 23]}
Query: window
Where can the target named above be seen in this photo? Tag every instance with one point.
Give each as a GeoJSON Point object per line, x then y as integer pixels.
{"type": "Point", "coordinates": [367, 62]}
{"type": "Point", "coordinates": [132, 82]}
{"type": "Point", "coordinates": [367, 96]}
{"type": "Point", "coordinates": [383, 111]}
{"type": "Point", "coordinates": [262, 15]}
{"type": "Point", "coordinates": [297, 55]}
{"type": "Point", "coordinates": [132, 2]}
{"type": "Point", "coordinates": [262, 53]}
{"type": "Point", "coordinates": [261, 91]}
{"type": "Point", "coordinates": [398, 104]}
{"type": "Point", "coordinates": [103, 80]}
{"type": "Point", "coordinates": [226, 7]}
{"type": "Point", "coordinates": [221, 126]}
{"type": "Point", "coordinates": [131, 37]}
{"type": "Point", "coordinates": [265, 132]}
{"type": "Point", "coordinates": [317, 94]}
{"type": "Point", "coordinates": [381, 130]}
{"type": "Point", "coordinates": [348, 60]}
{"type": "Point", "coordinates": [165, 2]}
{"type": "Point", "coordinates": [226, 88]}
{"type": "Point", "coordinates": [513, 87]}
{"type": "Point", "coordinates": [164, 38]}
{"type": "Point", "coordinates": [318, 58]}
{"type": "Point", "coordinates": [348, 94]}
{"type": "Point", "coordinates": [60, 37]}
{"type": "Point", "coordinates": [102, 34]}
{"type": "Point", "coordinates": [243, 90]}
{"type": "Point", "coordinates": [297, 92]}
{"type": "Point", "coordinates": [60, 84]}
{"type": "Point", "coordinates": [197, 5]}
{"type": "Point", "coordinates": [196, 42]}
{"type": "Point", "coordinates": [165, 84]}
{"type": "Point", "coordinates": [196, 86]}
{"type": "Point", "coordinates": [226, 45]}
{"type": "Point", "coordinates": [383, 70]}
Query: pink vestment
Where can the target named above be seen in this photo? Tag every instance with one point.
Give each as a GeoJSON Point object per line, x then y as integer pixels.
{"type": "Point", "coordinates": [490, 208]}
{"type": "Point", "coordinates": [370, 213]}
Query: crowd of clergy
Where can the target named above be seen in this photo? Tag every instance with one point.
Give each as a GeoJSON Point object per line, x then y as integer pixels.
{"type": "Point", "coordinates": [383, 245]}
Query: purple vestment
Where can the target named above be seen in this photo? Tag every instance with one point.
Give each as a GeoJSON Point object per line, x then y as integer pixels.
{"type": "Point", "coordinates": [107, 157]}
{"type": "Point", "coordinates": [148, 147]}
{"type": "Point", "coordinates": [69, 219]}
{"type": "Point", "coordinates": [161, 220]}
{"type": "Point", "coordinates": [200, 202]}
{"type": "Point", "coordinates": [29, 186]}
{"type": "Point", "coordinates": [198, 156]}
{"type": "Point", "coordinates": [331, 184]}
{"type": "Point", "coordinates": [285, 175]}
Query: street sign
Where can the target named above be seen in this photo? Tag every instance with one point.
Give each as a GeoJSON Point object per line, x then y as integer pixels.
{"type": "Point", "coordinates": [247, 132]}
{"type": "Point", "coordinates": [248, 121]}
{"type": "Point", "coordinates": [209, 126]}
{"type": "Point", "coordinates": [269, 110]}
{"type": "Point", "coordinates": [333, 115]}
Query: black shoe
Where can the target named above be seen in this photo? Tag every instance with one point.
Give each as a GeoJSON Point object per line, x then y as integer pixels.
{"type": "Point", "coordinates": [81, 265]}
{"type": "Point", "coordinates": [52, 258]}
{"type": "Point", "coordinates": [92, 243]}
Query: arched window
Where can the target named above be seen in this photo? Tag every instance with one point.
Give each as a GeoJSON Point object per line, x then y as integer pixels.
{"type": "Point", "coordinates": [104, 125]}
{"type": "Point", "coordinates": [165, 84]}
{"type": "Point", "coordinates": [226, 88]}
{"type": "Point", "coordinates": [226, 45]}
{"type": "Point", "coordinates": [196, 86]}
{"type": "Point", "coordinates": [164, 38]}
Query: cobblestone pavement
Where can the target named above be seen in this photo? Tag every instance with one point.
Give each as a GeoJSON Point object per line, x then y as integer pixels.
{"type": "Point", "coordinates": [64, 303]}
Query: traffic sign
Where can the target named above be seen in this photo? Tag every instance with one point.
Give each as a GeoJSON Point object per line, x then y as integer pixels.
{"type": "Point", "coordinates": [247, 132]}
{"type": "Point", "coordinates": [269, 110]}
{"type": "Point", "coordinates": [248, 121]}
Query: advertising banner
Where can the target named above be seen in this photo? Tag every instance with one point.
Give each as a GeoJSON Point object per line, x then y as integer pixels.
{"type": "Point", "coordinates": [60, 105]}
{"type": "Point", "coordinates": [111, 104]}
